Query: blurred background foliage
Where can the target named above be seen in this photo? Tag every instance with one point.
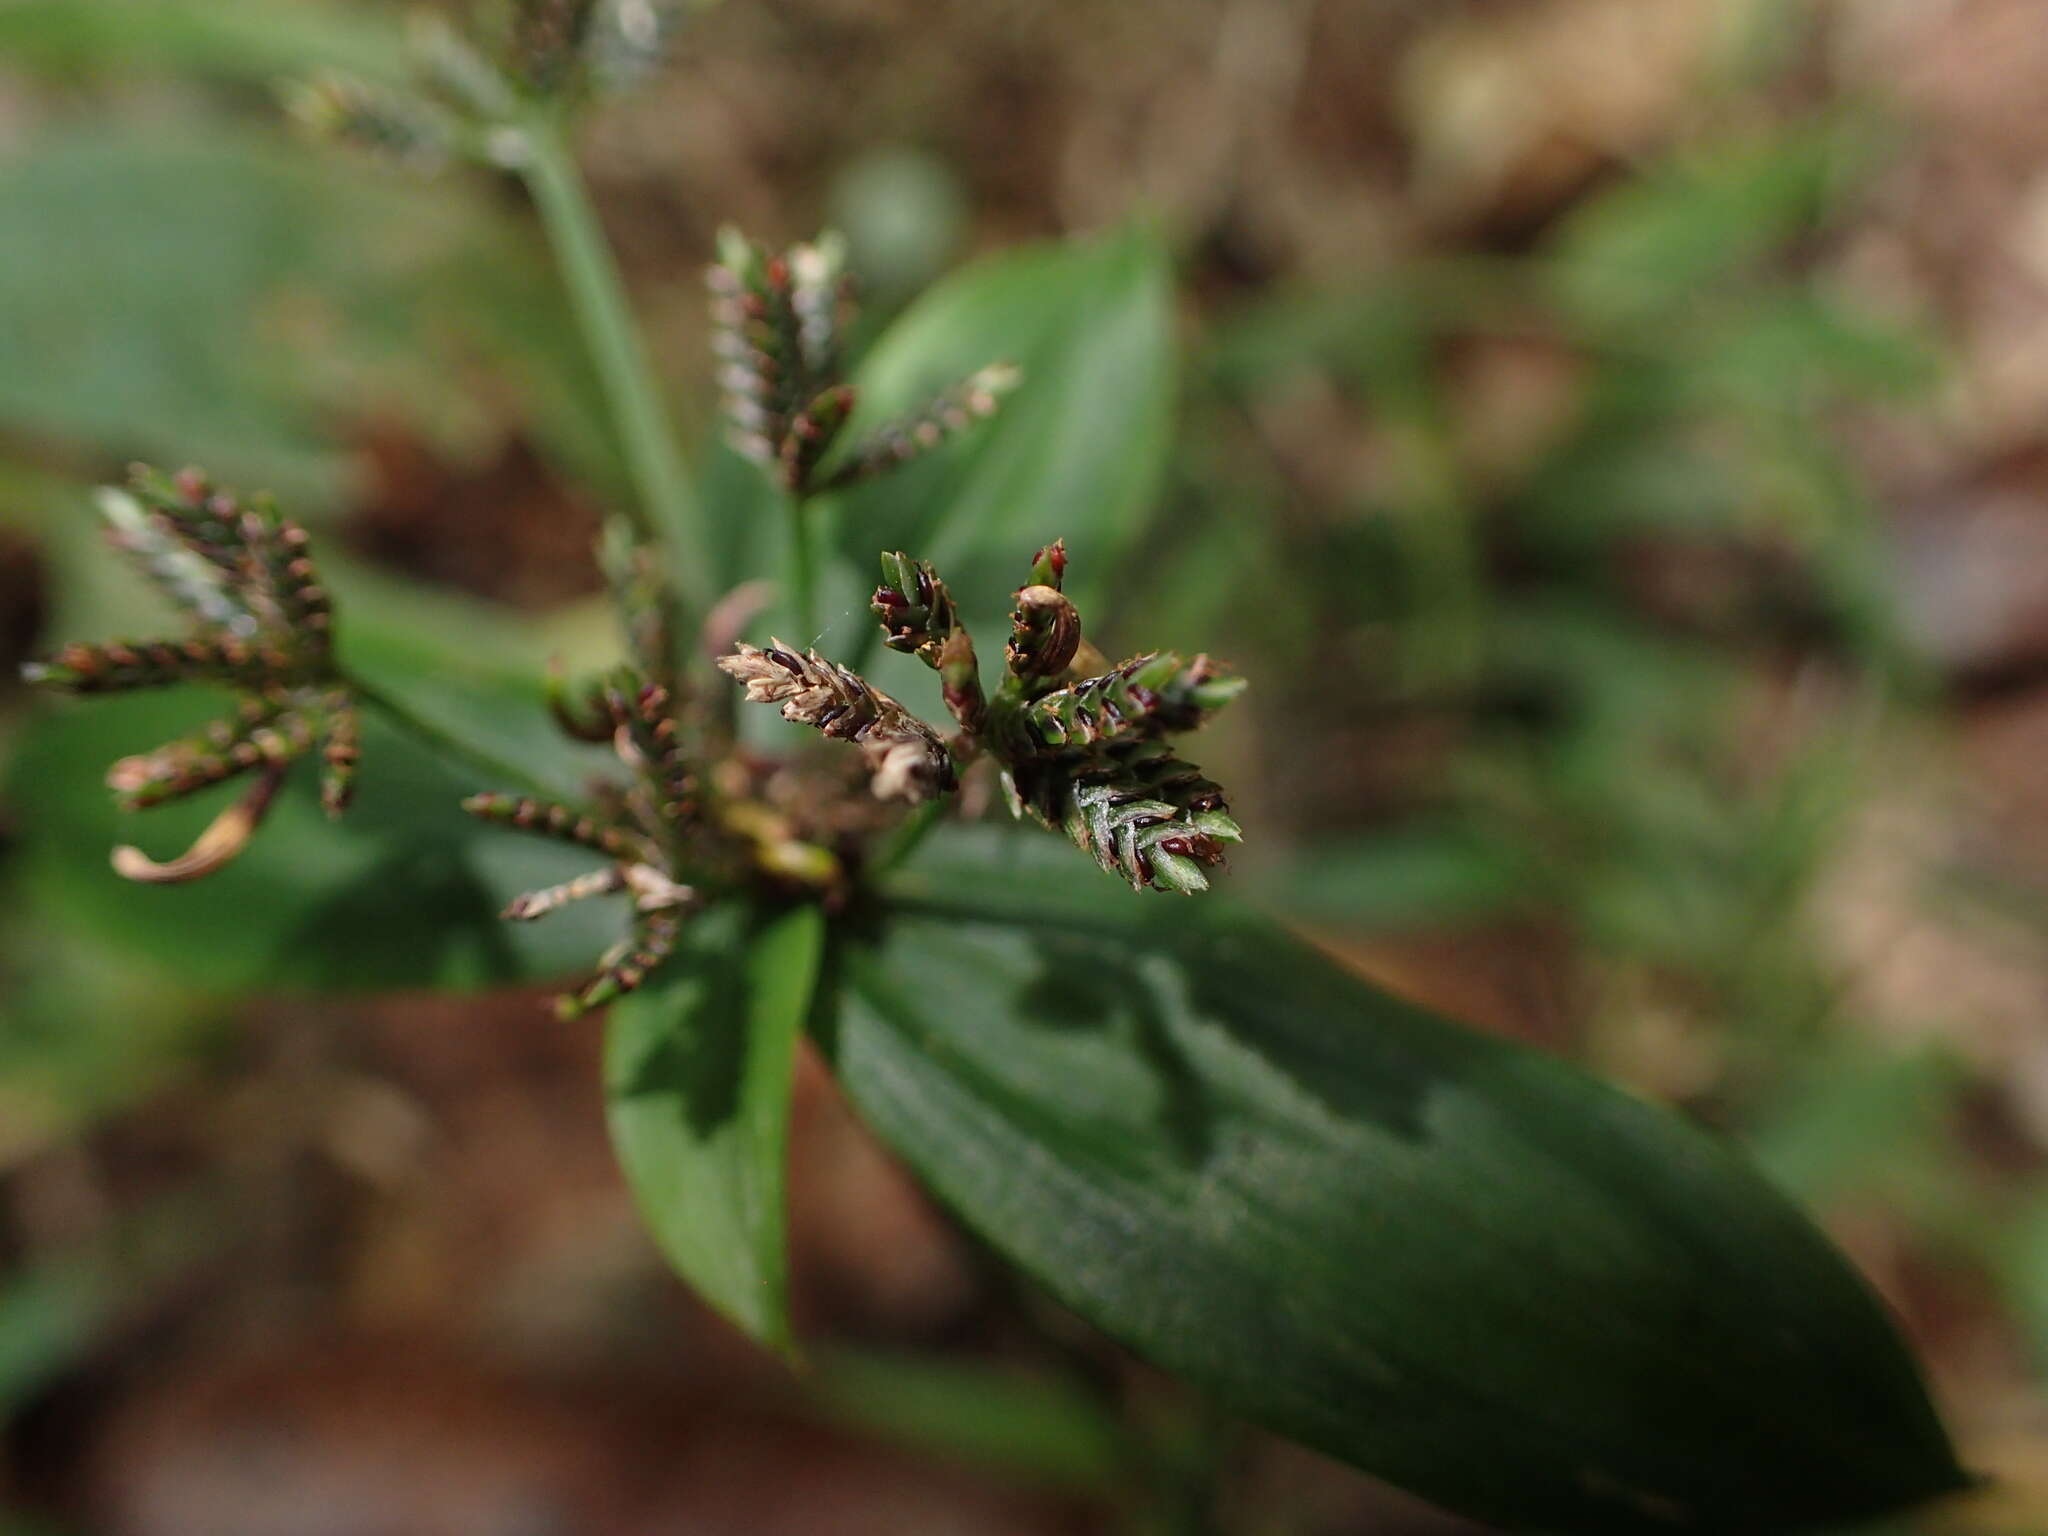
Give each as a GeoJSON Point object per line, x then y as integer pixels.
{"type": "Point", "coordinates": [1611, 436]}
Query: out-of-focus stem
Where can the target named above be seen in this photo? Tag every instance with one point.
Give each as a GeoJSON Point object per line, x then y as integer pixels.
{"type": "Point", "coordinates": [801, 570]}
{"type": "Point", "coordinates": [907, 837]}
{"type": "Point", "coordinates": [668, 509]}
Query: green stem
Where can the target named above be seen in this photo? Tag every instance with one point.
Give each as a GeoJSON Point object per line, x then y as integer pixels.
{"type": "Point", "coordinates": [909, 834]}
{"type": "Point", "coordinates": [434, 734]}
{"type": "Point", "coordinates": [801, 570]}
{"type": "Point", "coordinates": [668, 506]}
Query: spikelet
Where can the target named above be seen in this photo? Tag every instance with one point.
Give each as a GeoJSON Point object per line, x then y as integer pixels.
{"type": "Point", "coordinates": [945, 416]}
{"type": "Point", "coordinates": [626, 968]}
{"type": "Point", "coordinates": [777, 321]}
{"type": "Point", "coordinates": [651, 829]}
{"type": "Point", "coordinates": [262, 732]}
{"type": "Point", "coordinates": [919, 618]}
{"type": "Point", "coordinates": [548, 818]}
{"type": "Point", "coordinates": [1143, 697]}
{"type": "Point", "coordinates": [641, 831]}
{"type": "Point", "coordinates": [906, 759]}
{"type": "Point", "coordinates": [1141, 813]}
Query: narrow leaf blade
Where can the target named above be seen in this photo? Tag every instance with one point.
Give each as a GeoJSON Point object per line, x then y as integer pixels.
{"type": "Point", "coordinates": [698, 1071]}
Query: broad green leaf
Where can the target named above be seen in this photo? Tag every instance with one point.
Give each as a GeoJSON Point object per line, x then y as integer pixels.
{"type": "Point", "coordinates": [218, 295]}
{"type": "Point", "coordinates": [749, 524]}
{"type": "Point", "coordinates": [698, 1072]}
{"type": "Point", "coordinates": [1076, 451]}
{"type": "Point", "coordinates": [1465, 1266]}
{"type": "Point", "coordinates": [403, 891]}
{"type": "Point", "coordinates": [248, 40]}
{"type": "Point", "coordinates": [131, 273]}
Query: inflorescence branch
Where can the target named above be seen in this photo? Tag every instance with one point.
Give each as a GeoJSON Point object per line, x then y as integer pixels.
{"type": "Point", "coordinates": [1081, 746]}
{"type": "Point", "coordinates": [1083, 752]}
{"type": "Point", "coordinates": [778, 326]}
{"type": "Point", "coordinates": [262, 626]}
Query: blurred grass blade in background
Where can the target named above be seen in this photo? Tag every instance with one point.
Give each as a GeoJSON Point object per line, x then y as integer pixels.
{"type": "Point", "coordinates": [1036, 1429]}
{"type": "Point", "coordinates": [254, 41]}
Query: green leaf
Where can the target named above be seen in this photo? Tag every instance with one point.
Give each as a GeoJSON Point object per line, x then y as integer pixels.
{"type": "Point", "coordinates": [131, 269]}
{"type": "Point", "coordinates": [245, 40]}
{"type": "Point", "coordinates": [698, 1067]}
{"type": "Point", "coordinates": [2020, 1253]}
{"type": "Point", "coordinates": [220, 296]}
{"type": "Point", "coordinates": [1077, 450]}
{"type": "Point", "coordinates": [1409, 876]}
{"type": "Point", "coordinates": [405, 891]}
{"type": "Point", "coordinates": [1858, 1122]}
{"type": "Point", "coordinates": [1660, 239]}
{"type": "Point", "coordinates": [1465, 1266]}
{"type": "Point", "coordinates": [1040, 1430]}
{"type": "Point", "coordinates": [49, 1317]}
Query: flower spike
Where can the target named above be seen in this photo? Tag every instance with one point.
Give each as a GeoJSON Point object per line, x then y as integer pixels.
{"type": "Point", "coordinates": [907, 759]}
{"type": "Point", "coordinates": [640, 831]}
{"type": "Point", "coordinates": [547, 41]}
{"type": "Point", "coordinates": [1143, 697]}
{"type": "Point", "coordinates": [1141, 813]}
{"type": "Point", "coordinates": [779, 324]}
{"type": "Point", "coordinates": [652, 831]}
{"type": "Point", "coordinates": [629, 964]}
{"type": "Point", "coordinates": [682, 827]}
{"type": "Point", "coordinates": [399, 126]}
{"type": "Point", "coordinates": [919, 618]}
{"type": "Point", "coordinates": [947, 415]}
{"type": "Point", "coordinates": [778, 321]}
{"type": "Point", "coordinates": [215, 848]}
{"type": "Point", "coordinates": [1087, 755]}
{"type": "Point", "coordinates": [263, 626]}
{"type": "Point", "coordinates": [1084, 753]}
